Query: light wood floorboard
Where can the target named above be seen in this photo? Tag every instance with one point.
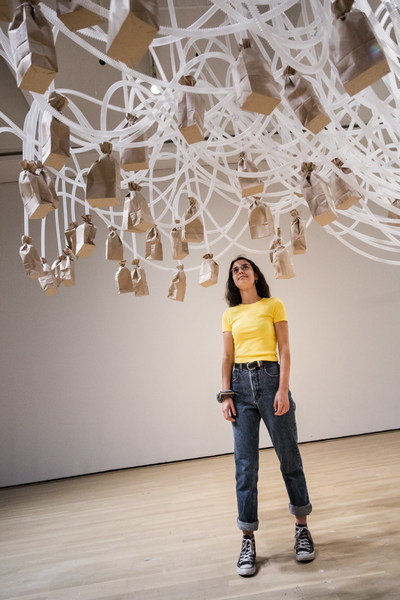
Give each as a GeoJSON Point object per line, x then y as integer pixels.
{"type": "Point", "coordinates": [169, 532]}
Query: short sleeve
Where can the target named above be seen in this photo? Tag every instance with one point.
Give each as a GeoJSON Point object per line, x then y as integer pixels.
{"type": "Point", "coordinates": [226, 323]}
{"type": "Point", "coordinates": [279, 311]}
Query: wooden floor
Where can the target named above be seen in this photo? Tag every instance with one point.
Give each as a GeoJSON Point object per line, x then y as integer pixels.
{"type": "Point", "coordinates": [169, 532]}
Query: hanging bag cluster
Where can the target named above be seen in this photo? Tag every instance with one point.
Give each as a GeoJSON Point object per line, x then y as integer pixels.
{"type": "Point", "coordinates": [193, 226]}
{"type": "Point", "coordinates": [261, 223]}
{"type": "Point", "coordinates": [280, 258]}
{"type": "Point", "coordinates": [139, 282]}
{"type": "Point", "coordinates": [177, 287]}
{"type": "Point", "coordinates": [179, 247]}
{"type": "Point", "coordinates": [36, 196]}
{"type": "Point", "coordinates": [256, 89]}
{"type": "Point", "coordinates": [33, 49]}
{"type": "Point", "coordinates": [250, 186]}
{"type": "Point", "coordinates": [298, 233]}
{"type": "Point", "coordinates": [209, 270]}
{"type": "Point", "coordinates": [114, 247]}
{"type": "Point", "coordinates": [343, 195]}
{"type": "Point", "coordinates": [154, 249]}
{"type": "Point", "coordinates": [85, 234]}
{"type": "Point", "coordinates": [47, 281]}
{"type": "Point", "coordinates": [30, 258]}
{"type": "Point", "coordinates": [123, 279]}
{"type": "Point", "coordinates": [55, 135]}
{"type": "Point", "coordinates": [354, 49]}
{"type": "Point", "coordinates": [304, 101]}
{"type": "Point", "coordinates": [136, 216]}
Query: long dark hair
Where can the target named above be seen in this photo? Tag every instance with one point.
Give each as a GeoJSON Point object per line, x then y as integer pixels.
{"type": "Point", "coordinates": [232, 293]}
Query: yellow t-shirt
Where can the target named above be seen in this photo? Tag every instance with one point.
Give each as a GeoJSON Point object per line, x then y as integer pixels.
{"type": "Point", "coordinates": [253, 330]}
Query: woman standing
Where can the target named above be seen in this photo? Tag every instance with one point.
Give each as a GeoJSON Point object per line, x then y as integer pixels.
{"type": "Point", "coordinates": [254, 387]}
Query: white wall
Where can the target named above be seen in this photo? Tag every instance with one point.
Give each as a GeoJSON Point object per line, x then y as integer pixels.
{"type": "Point", "coordinates": [92, 381]}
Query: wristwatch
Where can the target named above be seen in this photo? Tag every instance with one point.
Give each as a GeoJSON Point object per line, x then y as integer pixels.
{"type": "Point", "coordinates": [221, 396]}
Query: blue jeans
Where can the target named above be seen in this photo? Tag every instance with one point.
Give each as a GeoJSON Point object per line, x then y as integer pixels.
{"type": "Point", "coordinates": [254, 400]}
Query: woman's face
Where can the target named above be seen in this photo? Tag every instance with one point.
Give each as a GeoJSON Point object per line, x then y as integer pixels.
{"type": "Point", "coordinates": [243, 274]}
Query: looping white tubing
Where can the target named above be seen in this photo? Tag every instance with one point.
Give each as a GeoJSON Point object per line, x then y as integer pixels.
{"type": "Point", "coordinates": [364, 130]}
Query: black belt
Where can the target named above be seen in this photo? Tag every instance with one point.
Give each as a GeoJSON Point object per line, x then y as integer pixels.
{"type": "Point", "coordinates": [255, 364]}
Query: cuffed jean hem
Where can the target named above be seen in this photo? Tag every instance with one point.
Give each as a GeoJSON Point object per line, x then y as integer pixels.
{"type": "Point", "coordinates": [247, 526]}
{"type": "Point", "coordinates": [300, 511]}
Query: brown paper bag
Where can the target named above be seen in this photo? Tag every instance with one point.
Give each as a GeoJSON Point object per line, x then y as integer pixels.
{"type": "Point", "coordinates": [256, 89]}
{"type": "Point", "coordinates": [190, 114]}
{"type": "Point", "coordinates": [49, 185]}
{"type": "Point", "coordinates": [177, 288]}
{"type": "Point", "coordinates": [5, 10]}
{"type": "Point", "coordinates": [136, 216]}
{"type": "Point", "coordinates": [194, 230]}
{"type": "Point", "coordinates": [48, 281]}
{"type": "Point", "coordinates": [55, 135]}
{"type": "Point", "coordinates": [85, 234]}
{"type": "Point", "coordinates": [315, 193]}
{"type": "Point", "coordinates": [304, 101]}
{"type": "Point", "coordinates": [123, 279]}
{"type": "Point", "coordinates": [67, 268]}
{"type": "Point", "coordinates": [103, 180]}
{"type": "Point", "coordinates": [250, 186]}
{"type": "Point", "coordinates": [298, 233]}
{"type": "Point", "coordinates": [281, 261]}
{"type": "Point", "coordinates": [133, 24]}
{"type": "Point", "coordinates": [180, 249]}
{"type": "Point", "coordinates": [75, 16]}
{"type": "Point", "coordinates": [134, 158]}
{"type": "Point", "coordinates": [208, 271]}
{"type": "Point", "coordinates": [70, 236]}
{"type": "Point", "coordinates": [261, 223]}
{"type": "Point", "coordinates": [343, 195]}
{"type": "Point", "coordinates": [392, 215]}
{"type": "Point", "coordinates": [114, 247]}
{"type": "Point", "coordinates": [154, 250]}
{"type": "Point", "coordinates": [35, 194]}
{"type": "Point", "coordinates": [32, 45]}
{"type": "Point", "coordinates": [30, 258]}
{"type": "Point", "coordinates": [56, 269]}
{"type": "Point", "coordinates": [354, 49]}
{"type": "Point", "coordinates": [139, 282]}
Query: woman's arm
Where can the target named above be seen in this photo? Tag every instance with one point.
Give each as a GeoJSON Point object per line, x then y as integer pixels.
{"type": "Point", "coordinates": [281, 402]}
{"type": "Point", "coordinates": [227, 364]}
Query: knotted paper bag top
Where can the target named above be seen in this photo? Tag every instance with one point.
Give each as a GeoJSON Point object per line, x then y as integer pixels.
{"type": "Point", "coordinates": [75, 16]}
{"type": "Point", "coordinates": [67, 268]}
{"type": "Point", "coordinates": [85, 234]}
{"type": "Point", "coordinates": [55, 134]}
{"type": "Point", "coordinates": [316, 195]}
{"type": "Point", "coordinates": [48, 281]}
{"type": "Point", "coordinates": [70, 236]}
{"type": "Point", "coordinates": [209, 270]}
{"type": "Point", "coordinates": [33, 49]}
{"type": "Point", "coordinates": [103, 180]}
{"type": "Point", "coordinates": [30, 258]}
{"type": "Point", "coordinates": [281, 261]}
{"type": "Point", "coordinates": [114, 247]}
{"type": "Point", "coordinates": [190, 112]}
{"type": "Point", "coordinates": [137, 216]}
{"type": "Point", "coordinates": [134, 158]}
{"type": "Point", "coordinates": [139, 282]}
{"type": "Point", "coordinates": [250, 186]}
{"type": "Point", "coordinates": [261, 223]}
{"type": "Point", "coordinates": [123, 279]}
{"type": "Point", "coordinates": [35, 193]}
{"type": "Point", "coordinates": [193, 226]}
{"type": "Point", "coordinates": [354, 49]}
{"type": "Point", "coordinates": [177, 288]}
{"type": "Point", "coordinates": [342, 193]}
{"type": "Point", "coordinates": [154, 250]}
{"type": "Point", "coordinates": [298, 233]}
{"type": "Point", "coordinates": [304, 101]}
{"type": "Point", "coordinates": [179, 247]}
{"type": "Point", "coordinates": [132, 26]}
{"type": "Point", "coordinates": [393, 215]}
{"type": "Point", "coordinates": [256, 89]}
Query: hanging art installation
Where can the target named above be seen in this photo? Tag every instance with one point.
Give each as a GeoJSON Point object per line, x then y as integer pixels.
{"type": "Point", "coordinates": [245, 120]}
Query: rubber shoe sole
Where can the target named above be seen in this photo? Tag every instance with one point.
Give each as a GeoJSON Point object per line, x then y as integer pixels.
{"type": "Point", "coordinates": [306, 557]}
{"type": "Point", "coordinates": [246, 571]}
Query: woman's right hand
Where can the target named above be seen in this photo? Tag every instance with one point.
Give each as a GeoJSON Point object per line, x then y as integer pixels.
{"type": "Point", "coordinates": [228, 409]}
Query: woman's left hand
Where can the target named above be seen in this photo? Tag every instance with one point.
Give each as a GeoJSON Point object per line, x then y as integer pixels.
{"type": "Point", "coordinates": [281, 403]}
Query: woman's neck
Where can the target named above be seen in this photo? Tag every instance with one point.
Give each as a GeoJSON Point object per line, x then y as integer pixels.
{"type": "Point", "coordinates": [249, 296]}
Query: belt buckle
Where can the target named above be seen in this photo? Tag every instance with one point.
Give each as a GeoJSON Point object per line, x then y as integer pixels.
{"type": "Point", "coordinates": [253, 362]}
